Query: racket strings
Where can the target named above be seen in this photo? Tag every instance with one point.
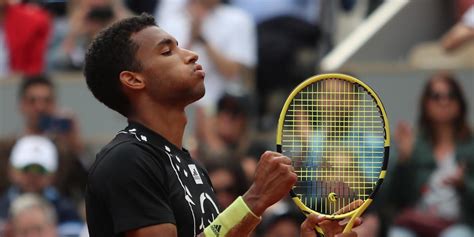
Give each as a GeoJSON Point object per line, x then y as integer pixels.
{"type": "Point", "coordinates": [333, 130]}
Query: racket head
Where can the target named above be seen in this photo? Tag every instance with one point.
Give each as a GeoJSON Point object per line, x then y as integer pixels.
{"type": "Point", "coordinates": [323, 120]}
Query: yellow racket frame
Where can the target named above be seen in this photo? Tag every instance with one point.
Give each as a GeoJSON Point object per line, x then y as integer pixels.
{"type": "Point", "coordinates": [358, 211]}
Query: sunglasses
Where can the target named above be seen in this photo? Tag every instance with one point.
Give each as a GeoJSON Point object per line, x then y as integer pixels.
{"type": "Point", "coordinates": [35, 169]}
{"type": "Point", "coordinates": [438, 96]}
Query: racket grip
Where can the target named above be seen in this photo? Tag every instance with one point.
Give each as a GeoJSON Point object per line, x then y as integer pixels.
{"type": "Point", "coordinates": [319, 231]}
{"type": "Point", "coordinates": [359, 212]}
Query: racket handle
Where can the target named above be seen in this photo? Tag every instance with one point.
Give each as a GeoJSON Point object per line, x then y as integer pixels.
{"type": "Point", "coordinates": [359, 212]}
{"type": "Point", "coordinates": [319, 231]}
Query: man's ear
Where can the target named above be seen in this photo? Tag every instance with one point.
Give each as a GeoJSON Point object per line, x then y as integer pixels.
{"type": "Point", "coordinates": [132, 80]}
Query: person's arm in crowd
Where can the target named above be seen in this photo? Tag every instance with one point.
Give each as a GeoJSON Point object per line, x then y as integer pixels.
{"type": "Point", "coordinates": [71, 139]}
{"type": "Point", "coordinates": [225, 65]}
{"type": "Point", "coordinates": [398, 185]}
{"type": "Point", "coordinates": [462, 32]}
{"type": "Point", "coordinates": [76, 28]}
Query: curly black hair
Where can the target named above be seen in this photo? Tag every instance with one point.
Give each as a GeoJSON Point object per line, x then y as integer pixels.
{"type": "Point", "coordinates": [110, 53]}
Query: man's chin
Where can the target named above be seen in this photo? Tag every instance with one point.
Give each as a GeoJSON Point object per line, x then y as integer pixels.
{"type": "Point", "coordinates": [196, 96]}
{"type": "Point", "coordinates": [200, 95]}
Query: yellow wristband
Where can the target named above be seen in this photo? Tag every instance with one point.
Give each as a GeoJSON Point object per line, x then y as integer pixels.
{"type": "Point", "coordinates": [229, 218]}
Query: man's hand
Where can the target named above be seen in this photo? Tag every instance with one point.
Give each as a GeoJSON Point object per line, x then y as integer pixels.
{"type": "Point", "coordinates": [274, 177]}
{"type": "Point", "coordinates": [331, 228]}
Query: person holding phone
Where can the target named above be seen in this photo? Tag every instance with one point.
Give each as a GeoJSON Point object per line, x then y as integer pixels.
{"type": "Point", "coordinates": [38, 107]}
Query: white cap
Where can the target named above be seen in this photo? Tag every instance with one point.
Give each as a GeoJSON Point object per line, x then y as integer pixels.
{"type": "Point", "coordinates": [36, 150]}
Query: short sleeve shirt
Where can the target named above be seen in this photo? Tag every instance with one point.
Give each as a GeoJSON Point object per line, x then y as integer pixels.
{"type": "Point", "coordinates": [140, 179]}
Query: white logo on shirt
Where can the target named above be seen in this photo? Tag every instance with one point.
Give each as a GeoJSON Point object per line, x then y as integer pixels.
{"type": "Point", "coordinates": [195, 173]}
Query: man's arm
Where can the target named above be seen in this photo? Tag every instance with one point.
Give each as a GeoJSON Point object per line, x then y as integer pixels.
{"type": "Point", "coordinates": [274, 178]}
{"type": "Point", "coordinates": [331, 228]}
{"type": "Point", "coordinates": [164, 230]}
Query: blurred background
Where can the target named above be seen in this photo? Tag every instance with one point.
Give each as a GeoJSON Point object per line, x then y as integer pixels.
{"type": "Point", "coordinates": [418, 55]}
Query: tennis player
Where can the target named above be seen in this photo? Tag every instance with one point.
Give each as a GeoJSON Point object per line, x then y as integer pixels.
{"type": "Point", "coordinates": [144, 183]}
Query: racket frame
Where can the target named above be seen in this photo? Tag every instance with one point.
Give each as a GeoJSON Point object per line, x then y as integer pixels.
{"type": "Point", "coordinates": [358, 211]}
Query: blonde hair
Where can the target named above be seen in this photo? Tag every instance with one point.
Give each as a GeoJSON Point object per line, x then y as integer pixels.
{"type": "Point", "coordinates": [29, 201]}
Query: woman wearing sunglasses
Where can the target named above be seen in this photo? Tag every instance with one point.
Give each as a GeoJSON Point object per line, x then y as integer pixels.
{"type": "Point", "coordinates": [433, 181]}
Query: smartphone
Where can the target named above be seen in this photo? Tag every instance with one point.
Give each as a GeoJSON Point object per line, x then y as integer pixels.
{"type": "Point", "coordinates": [55, 124]}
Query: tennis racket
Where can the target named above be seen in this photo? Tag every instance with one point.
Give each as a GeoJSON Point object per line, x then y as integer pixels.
{"type": "Point", "coordinates": [336, 132]}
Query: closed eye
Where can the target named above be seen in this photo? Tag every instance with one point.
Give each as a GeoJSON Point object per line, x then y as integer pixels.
{"type": "Point", "coordinates": [167, 52]}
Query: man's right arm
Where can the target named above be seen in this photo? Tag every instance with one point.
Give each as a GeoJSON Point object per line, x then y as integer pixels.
{"type": "Point", "coordinates": [274, 177]}
{"type": "Point", "coordinates": [164, 230]}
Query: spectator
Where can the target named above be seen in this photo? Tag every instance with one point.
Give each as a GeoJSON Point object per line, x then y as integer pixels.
{"type": "Point", "coordinates": [432, 182]}
{"type": "Point", "coordinates": [31, 215]}
{"type": "Point", "coordinates": [138, 7]}
{"type": "Point", "coordinates": [228, 180]}
{"type": "Point", "coordinates": [37, 103]}
{"type": "Point", "coordinates": [87, 18]}
{"type": "Point", "coordinates": [227, 137]}
{"type": "Point", "coordinates": [281, 24]}
{"type": "Point", "coordinates": [249, 161]}
{"type": "Point", "coordinates": [460, 33]}
{"type": "Point", "coordinates": [6, 145]}
{"type": "Point", "coordinates": [34, 163]}
{"type": "Point", "coordinates": [24, 35]}
{"type": "Point", "coordinates": [262, 10]}
{"type": "Point", "coordinates": [282, 224]}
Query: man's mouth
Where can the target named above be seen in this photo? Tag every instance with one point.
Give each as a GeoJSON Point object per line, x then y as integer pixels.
{"type": "Point", "coordinates": [198, 69]}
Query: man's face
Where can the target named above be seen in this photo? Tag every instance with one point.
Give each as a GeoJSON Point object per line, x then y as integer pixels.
{"type": "Point", "coordinates": [37, 100]}
{"type": "Point", "coordinates": [33, 223]}
{"type": "Point", "coordinates": [231, 127]}
{"type": "Point", "coordinates": [170, 73]}
{"type": "Point", "coordinates": [32, 182]}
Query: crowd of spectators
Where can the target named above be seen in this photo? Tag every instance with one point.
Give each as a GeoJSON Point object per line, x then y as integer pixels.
{"type": "Point", "coordinates": [252, 51]}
